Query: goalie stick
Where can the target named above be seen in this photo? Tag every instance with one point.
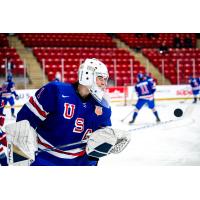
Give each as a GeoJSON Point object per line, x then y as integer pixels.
{"type": "Point", "coordinates": [186, 115]}
{"type": "Point", "coordinates": [122, 120]}
{"type": "Point", "coordinates": [60, 147]}
{"type": "Point", "coordinates": [13, 148]}
{"type": "Point", "coordinates": [16, 155]}
{"type": "Point", "coordinates": [121, 142]}
{"type": "Point", "coordinates": [153, 125]}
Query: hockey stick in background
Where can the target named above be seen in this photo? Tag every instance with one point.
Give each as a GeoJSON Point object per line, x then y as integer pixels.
{"type": "Point", "coordinates": [186, 119]}
{"type": "Point", "coordinates": [122, 120]}
{"type": "Point", "coordinates": [153, 125]}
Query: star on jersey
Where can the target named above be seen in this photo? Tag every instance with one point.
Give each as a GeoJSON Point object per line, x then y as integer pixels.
{"type": "Point", "coordinates": [84, 105]}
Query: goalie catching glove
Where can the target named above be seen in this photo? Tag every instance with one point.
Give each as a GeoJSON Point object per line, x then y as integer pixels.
{"type": "Point", "coordinates": [105, 141]}
{"type": "Point", "coordinates": [23, 136]}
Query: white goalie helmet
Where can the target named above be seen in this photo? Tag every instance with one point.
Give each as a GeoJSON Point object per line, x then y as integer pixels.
{"type": "Point", "coordinates": [88, 72]}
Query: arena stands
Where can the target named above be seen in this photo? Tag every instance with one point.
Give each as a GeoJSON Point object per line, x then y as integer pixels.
{"type": "Point", "coordinates": [73, 57]}
{"type": "Point", "coordinates": [64, 52]}
{"type": "Point", "coordinates": [182, 60]}
{"type": "Point", "coordinates": [53, 50]}
{"type": "Point", "coordinates": [154, 40]}
{"type": "Point", "coordinates": [3, 40]}
{"type": "Point", "coordinates": [66, 40]}
{"type": "Point", "coordinates": [10, 52]}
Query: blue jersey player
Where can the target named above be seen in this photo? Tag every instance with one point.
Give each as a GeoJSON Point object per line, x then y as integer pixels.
{"type": "Point", "coordinates": [198, 81]}
{"type": "Point", "coordinates": [7, 92]}
{"type": "Point", "coordinates": [149, 78]}
{"type": "Point", "coordinates": [63, 113]}
{"type": "Point", "coordinates": [3, 142]}
{"type": "Point", "coordinates": [145, 90]}
{"type": "Point", "coordinates": [194, 83]}
{"type": "Point", "coordinates": [2, 116]}
{"type": "Point", "coordinates": [2, 104]}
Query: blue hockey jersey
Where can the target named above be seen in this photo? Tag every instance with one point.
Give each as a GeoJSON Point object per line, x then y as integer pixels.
{"type": "Point", "coordinates": [145, 89]}
{"type": "Point", "coordinates": [3, 142]}
{"type": "Point", "coordinates": [195, 85]}
{"type": "Point", "coordinates": [60, 116]}
{"type": "Point", "coordinates": [8, 89]}
{"type": "Point", "coordinates": [2, 104]}
{"type": "Point", "coordinates": [1, 101]}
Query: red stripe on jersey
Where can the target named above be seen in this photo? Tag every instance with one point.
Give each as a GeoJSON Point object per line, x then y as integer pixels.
{"type": "Point", "coordinates": [42, 113]}
{"type": "Point", "coordinates": [1, 149]}
{"type": "Point", "coordinates": [60, 151]}
{"type": "Point", "coordinates": [3, 140]}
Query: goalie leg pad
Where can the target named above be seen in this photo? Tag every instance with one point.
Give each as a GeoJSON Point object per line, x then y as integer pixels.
{"type": "Point", "coordinates": [23, 136]}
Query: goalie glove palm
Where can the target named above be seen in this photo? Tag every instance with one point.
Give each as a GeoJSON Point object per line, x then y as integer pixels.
{"type": "Point", "coordinates": [105, 141]}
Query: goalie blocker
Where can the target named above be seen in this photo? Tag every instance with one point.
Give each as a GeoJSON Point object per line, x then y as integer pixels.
{"type": "Point", "coordinates": [101, 142]}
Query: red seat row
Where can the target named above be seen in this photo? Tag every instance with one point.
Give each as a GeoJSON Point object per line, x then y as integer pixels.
{"type": "Point", "coordinates": [3, 40]}
{"type": "Point", "coordinates": [187, 62]}
{"type": "Point", "coordinates": [116, 59]}
{"type": "Point", "coordinates": [10, 52]}
{"type": "Point", "coordinates": [66, 40]}
{"type": "Point", "coordinates": [142, 41]}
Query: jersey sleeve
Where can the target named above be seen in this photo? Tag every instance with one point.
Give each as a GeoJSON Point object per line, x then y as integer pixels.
{"type": "Point", "coordinates": [3, 140]}
{"type": "Point", "coordinates": [40, 105]}
{"type": "Point", "coordinates": [12, 89]}
{"type": "Point", "coordinates": [153, 87]}
{"type": "Point", "coordinates": [136, 90]}
{"type": "Point", "coordinates": [104, 120]}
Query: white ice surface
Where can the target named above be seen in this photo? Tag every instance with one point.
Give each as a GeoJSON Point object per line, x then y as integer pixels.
{"type": "Point", "coordinates": [176, 142]}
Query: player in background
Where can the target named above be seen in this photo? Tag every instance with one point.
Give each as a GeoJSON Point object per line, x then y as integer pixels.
{"type": "Point", "coordinates": [145, 90]}
{"type": "Point", "coordinates": [61, 113]}
{"type": "Point", "coordinates": [3, 157]}
{"type": "Point", "coordinates": [198, 81]}
{"type": "Point", "coordinates": [148, 77]}
{"type": "Point", "coordinates": [8, 90]}
{"type": "Point", "coordinates": [58, 76]}
{"type": "Point", "coordinates": [2, 104]}
{"type": "Point", "coordinates": [3, 142]}
{"type": "Point", "coordinates": [195, 88]}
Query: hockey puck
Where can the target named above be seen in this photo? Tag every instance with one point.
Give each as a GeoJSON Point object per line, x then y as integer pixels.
{"type": "Point", "coordinates": [178, 112]}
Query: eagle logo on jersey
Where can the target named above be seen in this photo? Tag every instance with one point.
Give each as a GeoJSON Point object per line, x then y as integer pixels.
{"type": "Point", "coordinates": [98, 110]}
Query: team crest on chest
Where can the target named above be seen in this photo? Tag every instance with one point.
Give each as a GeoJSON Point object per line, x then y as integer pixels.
{"type": "Point", "coordinates": [98, 110]}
